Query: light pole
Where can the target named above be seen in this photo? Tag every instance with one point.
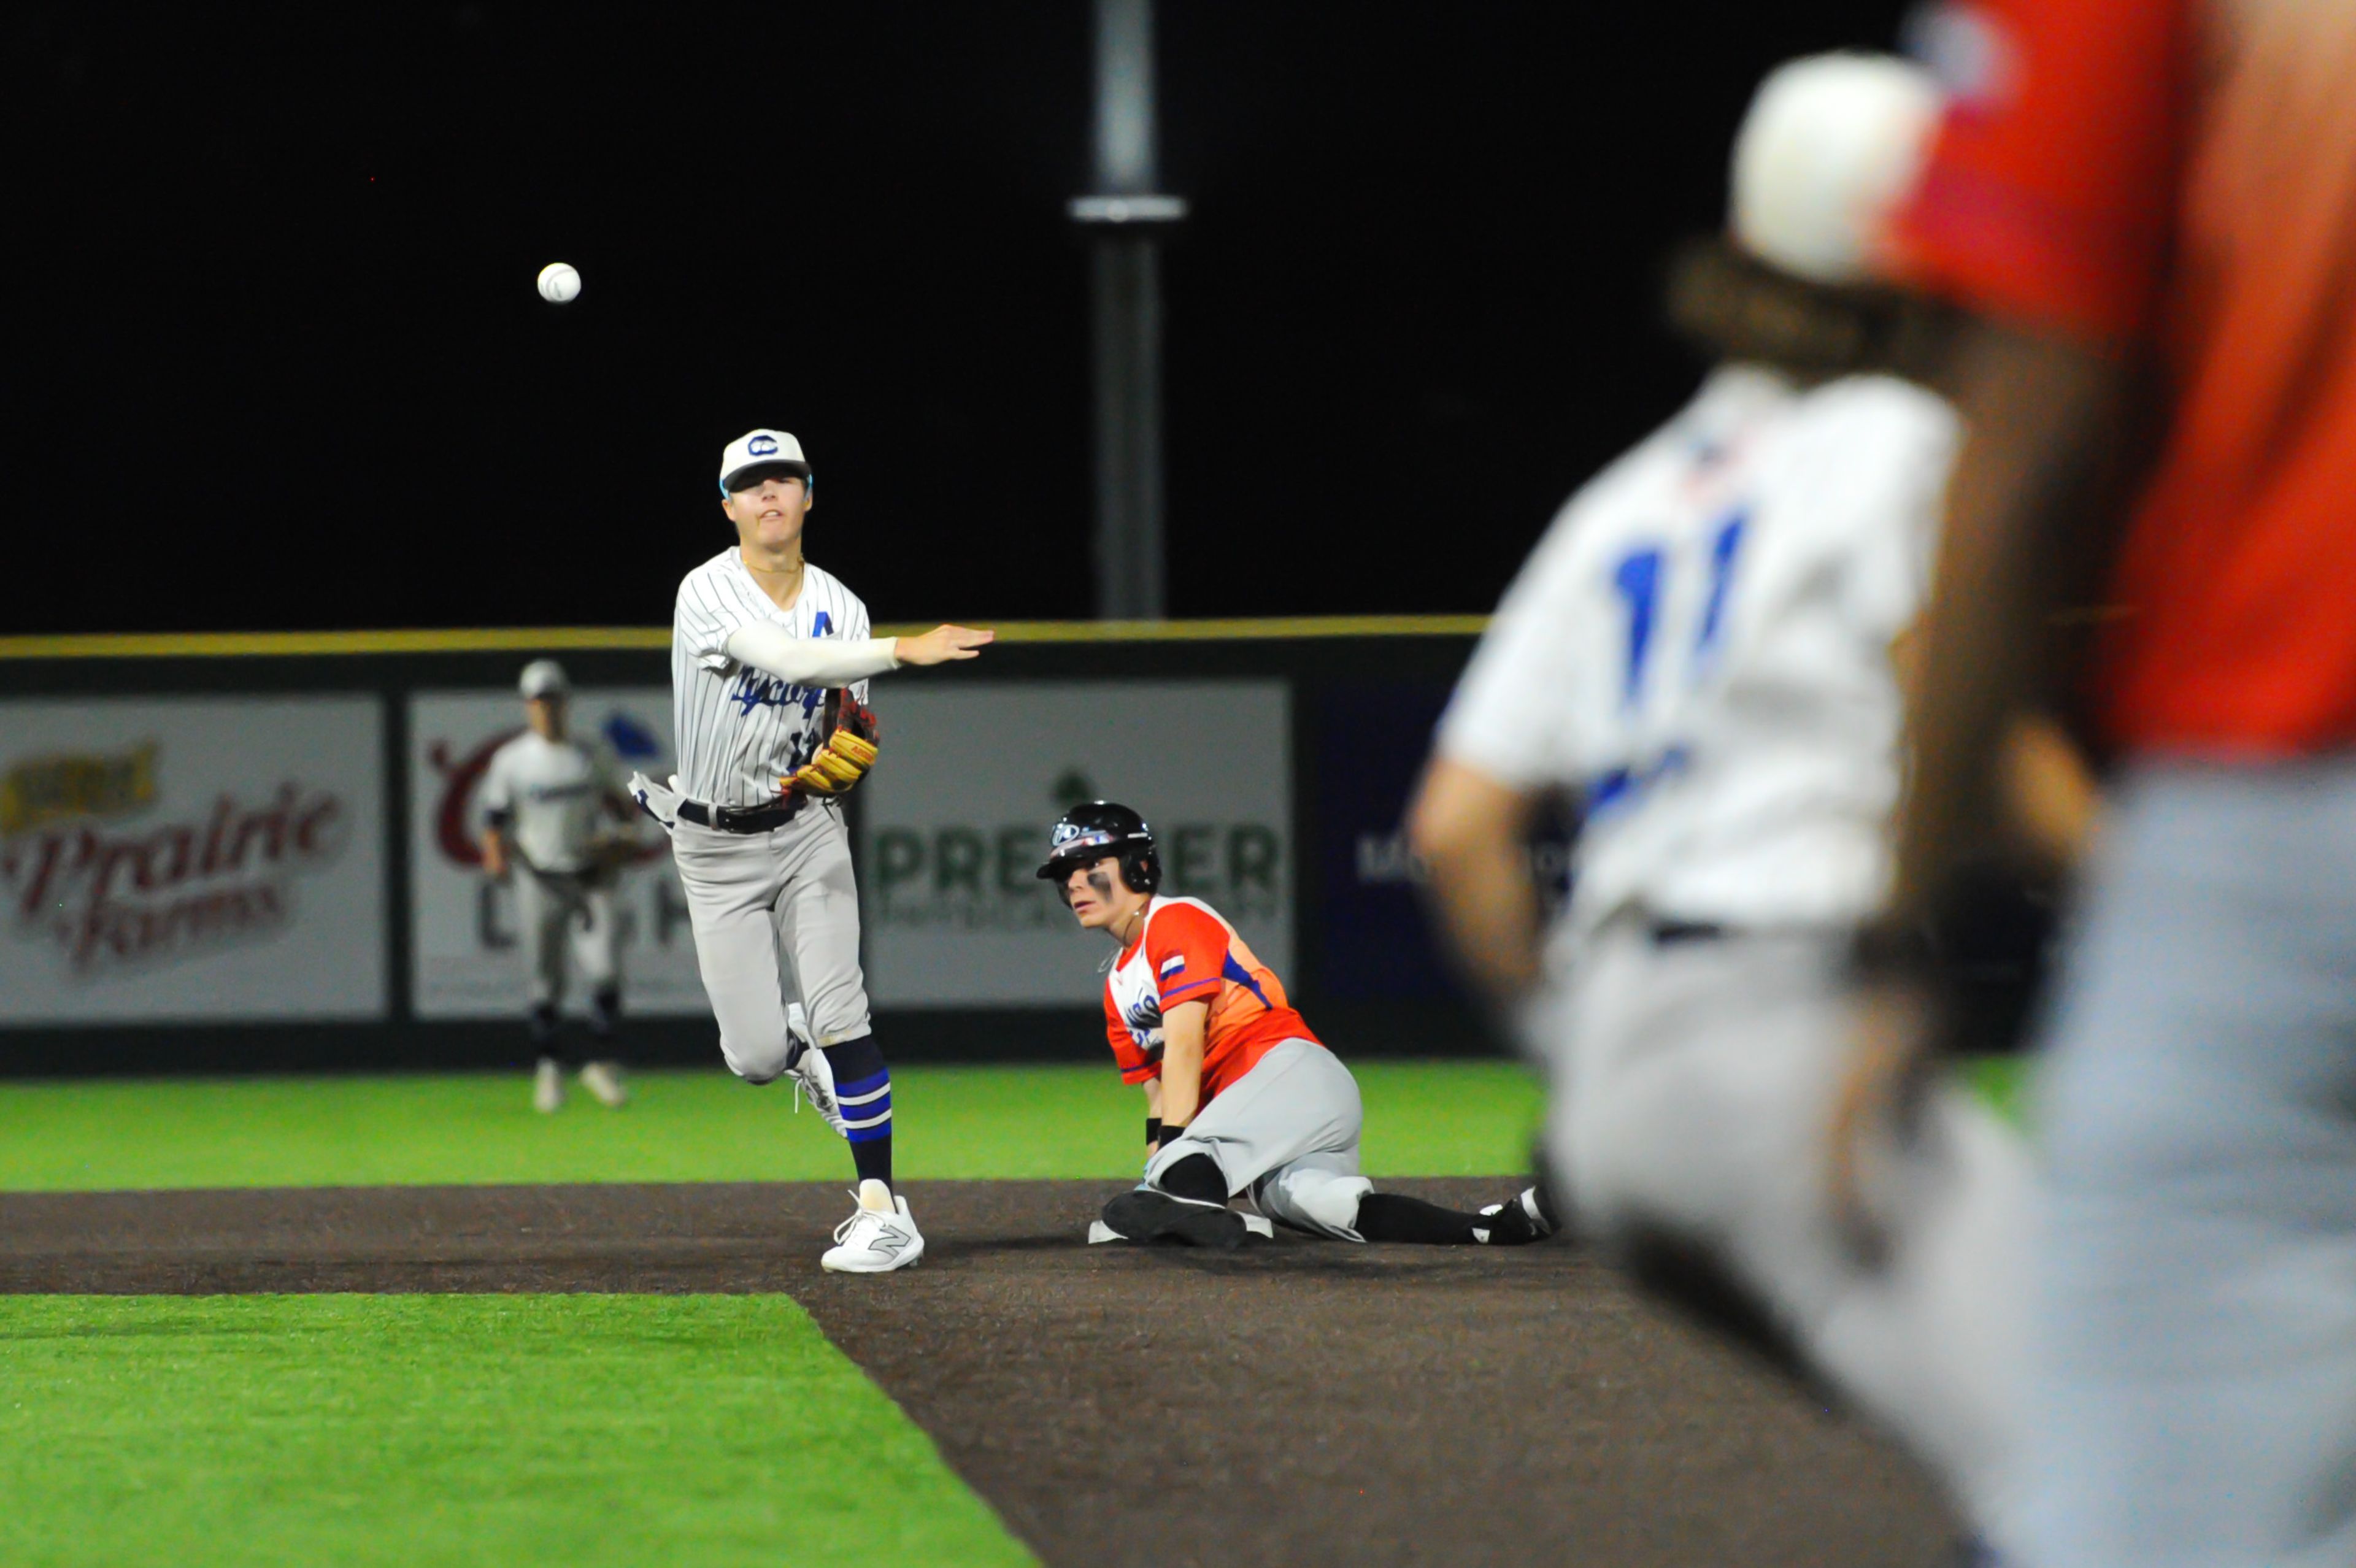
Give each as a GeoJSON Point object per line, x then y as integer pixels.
{"type": "Point", "coordinates": [1127, 218]}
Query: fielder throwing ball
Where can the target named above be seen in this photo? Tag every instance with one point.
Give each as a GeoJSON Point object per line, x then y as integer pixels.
{"type": "Point", "coordinates": [769, 661]}
{"type": "Point", "coordinates": [1239, 1096]}
{"type": "Point", "coordinates": [548, 800]}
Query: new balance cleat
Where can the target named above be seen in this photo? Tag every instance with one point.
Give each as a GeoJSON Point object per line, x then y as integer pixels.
{"type": "Point", "coordinates": [874, 1241]}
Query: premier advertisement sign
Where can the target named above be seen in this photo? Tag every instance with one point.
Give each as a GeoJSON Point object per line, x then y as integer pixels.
{"type": "Point", "coordinates": [955, 815]}
{"type": "Point", "coordinates": [191, 858]}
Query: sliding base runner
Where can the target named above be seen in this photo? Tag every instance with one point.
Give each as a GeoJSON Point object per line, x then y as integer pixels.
{"type": "Point", "coordinates": [770, 657]}
{"type": "Point", "coordinates": [1240, 1098]}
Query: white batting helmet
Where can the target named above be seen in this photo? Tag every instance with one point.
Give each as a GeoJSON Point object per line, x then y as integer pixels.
{"type": "Point", "coordinates": [1831, 145]}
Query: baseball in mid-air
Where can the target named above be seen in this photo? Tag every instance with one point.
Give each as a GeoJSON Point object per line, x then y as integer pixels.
{"type": "Point", "coordinates": [559, 283]}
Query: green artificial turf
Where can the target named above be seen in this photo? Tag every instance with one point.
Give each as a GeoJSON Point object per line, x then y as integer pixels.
{"type": "Point", "coordinates": [422, 1430]}
{"type": "Point", "coordinates": [1422, 1119]}
{"type": "Point", "coordinates": [2002, 1081]}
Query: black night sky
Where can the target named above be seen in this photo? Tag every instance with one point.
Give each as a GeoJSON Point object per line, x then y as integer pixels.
{"type": "Point", "coordinates": [277, 361]}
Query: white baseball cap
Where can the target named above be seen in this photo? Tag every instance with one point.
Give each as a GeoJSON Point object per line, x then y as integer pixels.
{"type": "Point", "coordinates": [1831, 146]}
{"type": "Point", "coordinates": [761, 449]}
{"type": "Point", "coordinates": [543, 677]}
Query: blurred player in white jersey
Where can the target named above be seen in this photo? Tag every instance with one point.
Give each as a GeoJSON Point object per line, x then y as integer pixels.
{"type": "Point", "coordinates": [769, 662]}
{"type": "Point", "coordinates": [1701, 653]}
{"type": "Point", "coordinates": [551, 807]}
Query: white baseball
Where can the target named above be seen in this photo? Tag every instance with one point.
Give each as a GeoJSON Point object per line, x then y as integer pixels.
{"type": "Point", "coordinates": [559, 283]}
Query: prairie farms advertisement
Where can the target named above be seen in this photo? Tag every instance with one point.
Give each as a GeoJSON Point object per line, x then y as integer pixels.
{"type": "Point", "coordinates": [194, 857]}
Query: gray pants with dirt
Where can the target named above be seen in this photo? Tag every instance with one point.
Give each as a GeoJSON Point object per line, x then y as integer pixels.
{"type": "Point", "coordinates": [1287, 1133]}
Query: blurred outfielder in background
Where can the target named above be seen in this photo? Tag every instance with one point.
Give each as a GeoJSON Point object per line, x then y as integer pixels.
{"type": "Point", "coordinates": [554, 828]}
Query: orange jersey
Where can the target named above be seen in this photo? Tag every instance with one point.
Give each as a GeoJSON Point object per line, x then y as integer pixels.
{"type": "Point", "coordinates": [2181, 176]}
{"type": "Point", "coordinates": [1186, 953]}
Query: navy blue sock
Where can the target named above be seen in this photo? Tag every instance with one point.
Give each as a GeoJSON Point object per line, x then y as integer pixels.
{"type": "Point", "coordinates": [542, 1024]}
{"type": "Point", "coordinates": [605, 1012]}
{"type": "Point", "coordinates": [862, 1085]}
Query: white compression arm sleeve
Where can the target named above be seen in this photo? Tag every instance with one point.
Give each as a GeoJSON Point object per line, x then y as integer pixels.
{"type": "Point", "coordinates": [811, 661]}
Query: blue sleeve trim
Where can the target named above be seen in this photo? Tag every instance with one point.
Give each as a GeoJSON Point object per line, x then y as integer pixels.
{"type": "Point", "coordinates": [1243, 977]}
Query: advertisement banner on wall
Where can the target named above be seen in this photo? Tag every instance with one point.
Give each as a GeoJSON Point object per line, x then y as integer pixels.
{"type": "Point", "coordinates": [1373, 739]}
{"type": "Point", "coordinates": [465, 961]}
{"type": "Point", "coordinates": [956, 819]}
{"type": "Point", "coordinates": [195, 857]}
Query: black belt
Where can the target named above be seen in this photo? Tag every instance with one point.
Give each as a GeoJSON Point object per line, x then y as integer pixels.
{"type": "Point", "coordinates": [740, 818]}
{"type": "Point", "coordinates": [1669, 932]}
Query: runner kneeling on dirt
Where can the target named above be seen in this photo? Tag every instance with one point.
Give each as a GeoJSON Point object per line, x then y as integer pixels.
{"type": "Point", "coordinates": [1239, 1096]}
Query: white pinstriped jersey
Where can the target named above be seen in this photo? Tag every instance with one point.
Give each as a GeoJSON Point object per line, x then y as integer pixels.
{"type": "Point", "coordinates": [550, 797]}
{"type": "Point", "coordinates": [1699, 649]}
{"type": "Point", "coordinates": [742, 729]}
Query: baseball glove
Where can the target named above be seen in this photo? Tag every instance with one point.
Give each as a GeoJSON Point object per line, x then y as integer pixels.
{"type": "Point", "coordinates": [848, 752]}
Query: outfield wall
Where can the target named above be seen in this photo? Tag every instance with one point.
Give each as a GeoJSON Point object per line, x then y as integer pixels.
{"type": "Point", "coordinates": [246, 853]}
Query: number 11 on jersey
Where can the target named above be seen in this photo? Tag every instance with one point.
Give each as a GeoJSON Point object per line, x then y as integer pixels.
{"type": "Point", "coordinates": [1639, 579]}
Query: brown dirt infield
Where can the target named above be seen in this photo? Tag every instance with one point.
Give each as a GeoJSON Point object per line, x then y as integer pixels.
{"type": "Point", "coordinates": [1303, 1404]}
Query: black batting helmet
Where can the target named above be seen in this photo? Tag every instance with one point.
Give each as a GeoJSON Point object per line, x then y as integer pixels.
{"type": "Point", "coordinates": [1089, 833]}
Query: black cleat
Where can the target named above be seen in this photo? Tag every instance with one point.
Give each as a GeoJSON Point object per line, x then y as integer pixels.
{"type": "Point", "coordinates": [1145, 1215]}
{"type": "Point", "coordinates": [1516, 1222]}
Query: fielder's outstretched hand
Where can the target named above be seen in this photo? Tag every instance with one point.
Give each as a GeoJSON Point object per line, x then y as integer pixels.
{"type": "Point", "coordinates": [942, 644]}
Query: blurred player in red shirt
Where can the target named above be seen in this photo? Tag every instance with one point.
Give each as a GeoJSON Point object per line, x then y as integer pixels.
{"type": "Point", "coordinates": [2153, 202]}
{"type": "Point", "coordinates": [1240, 1097]}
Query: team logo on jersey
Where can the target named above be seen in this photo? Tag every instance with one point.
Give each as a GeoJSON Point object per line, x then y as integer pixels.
{"type": "Point", "coordinates": [761, 446]}
{"type": "Point", "coordinates": [757, 690]}
{"type": "Point", "coordinates": [1143, 1019]}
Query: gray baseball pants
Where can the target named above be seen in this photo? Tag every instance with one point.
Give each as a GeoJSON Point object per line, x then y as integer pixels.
{"type": "Point", "coordinates": [1286, 1132]}
{"type": "Point", "coordinates": [2194, 1354]}
{"type": "Point", "coordinates": [550, 930]}
{"type": "Point", "coordinates": [751, 897]}
{"type": "Point", "coordinates": [1691, 1087]}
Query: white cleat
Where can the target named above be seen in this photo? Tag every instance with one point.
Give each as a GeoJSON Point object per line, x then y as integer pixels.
{"type": "Point", "coordinates": [604, 1082]}
{"type": "Point", "coordinates": [813, 1075]}
{"type": "Point", "coordinates": [876, 1241]}
{"type": "Point", "coordinates": [548, 1087]}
